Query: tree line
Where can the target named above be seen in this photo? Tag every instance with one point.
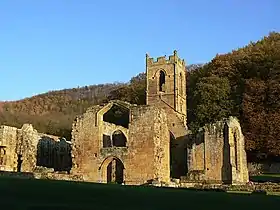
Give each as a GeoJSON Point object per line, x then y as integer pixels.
{"type": "Point", "coordinates": [244, 83]}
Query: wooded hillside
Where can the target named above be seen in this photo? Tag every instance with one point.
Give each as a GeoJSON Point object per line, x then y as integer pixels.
{"type": "Point", "coordinates": [243, 83]}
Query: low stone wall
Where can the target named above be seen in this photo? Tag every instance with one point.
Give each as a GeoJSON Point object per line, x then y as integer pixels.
{"type": "Point", "coordinates": [24, 175]}
{"type": "Point", "coordinates": [259, 168]}
{"type": "Point", "coordinates": [269, 187]}
{"type": "Point", "coordinates": [58, 176]}
{"type": "Point", "coordinates": [44, 175]}
{"type": "Point", "coordinates": [250, 187]}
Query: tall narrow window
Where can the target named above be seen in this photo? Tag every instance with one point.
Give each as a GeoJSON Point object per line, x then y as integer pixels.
{"type": "Point", "coordinates": [161, 81]}
{"type": "Point", "coordinates": [181, 84]}
{"type": "Point", "coordinates": [235, 150]}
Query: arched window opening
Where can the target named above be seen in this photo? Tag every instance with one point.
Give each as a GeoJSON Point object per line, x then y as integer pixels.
{"type": "Point", "coordinates": [235, 149]}
{"type": "Point", "coordinates": [119, 139]}
{"type": "Point", "coordinates": [117, 115]}
{"type": "Point", "coordinates": [161, 81]}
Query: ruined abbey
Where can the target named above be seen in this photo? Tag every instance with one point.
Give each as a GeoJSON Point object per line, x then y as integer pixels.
{"type": "Point", "coordinates": [132, 144]}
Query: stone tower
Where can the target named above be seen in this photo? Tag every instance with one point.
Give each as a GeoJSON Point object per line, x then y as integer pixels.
{"type": "Point", "coordinates": [166, 84]}
{"type": "Point", "coordinates": [166, 89]}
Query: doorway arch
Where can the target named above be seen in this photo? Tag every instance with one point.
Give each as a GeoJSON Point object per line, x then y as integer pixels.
{"type": "Point", "coordinates": [112, 170]}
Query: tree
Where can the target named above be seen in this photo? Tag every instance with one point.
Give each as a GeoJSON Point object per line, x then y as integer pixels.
{"type": "Point", "coordinates": [211, 101]}
{"type": "Point", "coordinates": [253, 74]}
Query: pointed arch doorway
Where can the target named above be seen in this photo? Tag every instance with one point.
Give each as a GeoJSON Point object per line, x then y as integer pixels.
{"type": "Point", "coordinates": [112, 170]}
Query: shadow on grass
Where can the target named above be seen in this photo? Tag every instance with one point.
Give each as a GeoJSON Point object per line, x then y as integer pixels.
{"type": "Point", "coordinates": [274, 178]}
{"type": "Point", "coordinates": [45, 194]}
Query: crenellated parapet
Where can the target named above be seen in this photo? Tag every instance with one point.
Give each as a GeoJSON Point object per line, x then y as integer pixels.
{"type": "Point", "coordinates": [164, 60]}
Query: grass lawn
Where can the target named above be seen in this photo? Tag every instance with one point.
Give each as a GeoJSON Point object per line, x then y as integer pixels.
{"type": "Point", "coordinates": [266, 178]}
{"type": "Point", "coordinates": [248, 192]}
{"type": "Point", "coordinates": [43, 194]}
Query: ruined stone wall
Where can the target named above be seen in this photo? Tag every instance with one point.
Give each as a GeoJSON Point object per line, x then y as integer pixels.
{"type": "Point", "coordinates": [218, 153]}
{"type": "Point", "coordinates": [86, 145]}
{"type": "Point", "coordinates": [27, 141]}
{"type": "Point", "coordinates": [8, 142]}
{"type": "Point", "coordinates": [145, 155]}
{"type": "Point", "coordinates": [89, 154]}
{"type": "Point", "coordinates": [179, 138]}
{"type": "Point", "coordinates": [162, 147]}
{"type": "Point", "coordinates": [149, 145]}
{"type": "Point", "coordinates": [238, 155]}
{"type": "Point", "coordinates": [20, 148]}
{"type": "Point", "coordinates": [24, 149]}
{"type": "Point", "coordinates": [199, 153]}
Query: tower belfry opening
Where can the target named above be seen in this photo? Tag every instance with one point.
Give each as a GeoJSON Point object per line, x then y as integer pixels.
{"type": "Point", "coordinates": [161, 81]}
{"type": "Point", "coordinates": [166, 83]}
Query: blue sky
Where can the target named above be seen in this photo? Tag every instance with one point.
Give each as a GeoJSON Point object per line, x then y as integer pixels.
{"type": "Point", "coordinates": [56, 44]}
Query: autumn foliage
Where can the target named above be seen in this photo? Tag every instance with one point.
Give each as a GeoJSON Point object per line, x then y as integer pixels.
{"type": "Point", "coordinates": [244, 83]}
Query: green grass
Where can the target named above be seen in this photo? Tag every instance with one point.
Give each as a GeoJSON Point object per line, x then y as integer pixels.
{"type": "Point", "coordinates": [272, 175]}
{"type": "Point", "coordinates": [266, 178]}
{"type": "Point", "coordinates": [44, 194]}
{"type": "Point", "coordinates": [248, 192]}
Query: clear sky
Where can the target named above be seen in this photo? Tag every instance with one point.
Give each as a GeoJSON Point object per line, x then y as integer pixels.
{"type": "Point", "coordinates": [56, 44]}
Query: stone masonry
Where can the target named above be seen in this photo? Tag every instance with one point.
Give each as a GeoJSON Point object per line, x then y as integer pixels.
{"type": "Point", "coordinates": [24, 150]}
{"type": "Point", "coordinates": [143, 156]}
{"type": "Point", "coordinates": [217, 154]}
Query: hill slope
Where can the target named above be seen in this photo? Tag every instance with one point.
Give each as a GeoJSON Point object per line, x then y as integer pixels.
{"type": "Point", "coordinates": [53, 112]}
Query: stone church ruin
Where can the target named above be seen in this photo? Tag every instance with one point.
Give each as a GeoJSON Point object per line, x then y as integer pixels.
{"type": "Point", "coordinates": [132, 144]}
{"type": "Point", "coordinates": [26, 150]}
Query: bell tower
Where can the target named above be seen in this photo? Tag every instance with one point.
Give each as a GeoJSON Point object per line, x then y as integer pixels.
{"type": "Point", "coordinates": [166, 84]}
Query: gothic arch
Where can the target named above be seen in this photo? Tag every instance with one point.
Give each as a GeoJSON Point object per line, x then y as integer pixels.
{"type": "Point", "coordinates": [118, 104]}
{"type": "Point", "coordinates": [160, 75]}
{"type": "Point", "coordinates": [156, 74]}
{"type": "Point", "coordinates": [119, 138]}
{"type": "Point", "coordinates": [112, 170]}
